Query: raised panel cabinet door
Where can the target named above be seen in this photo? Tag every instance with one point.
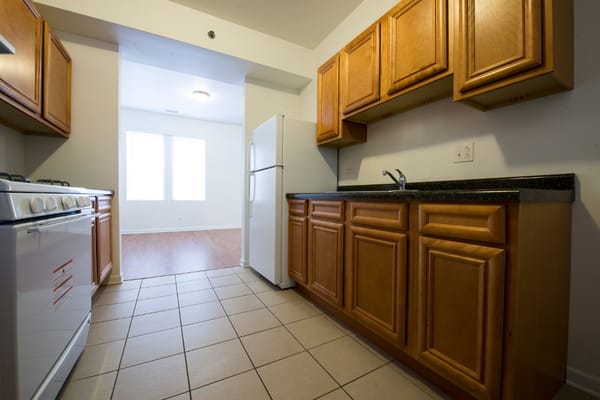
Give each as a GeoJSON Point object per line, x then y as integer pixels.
{"type": "Point", "coordinates": [497, 39]}
{"type": "Point", "coordinates": [20, 73]}
{"type": "Point", "coordinates": [297, 248]}
{"type": "Point", "coordinates": [418, 42]}
{"type": "Point", "coordinates": [104, 250]}
{"type": "Point", "coordinates": [377, 282]}
{"type": "Point", "coordinates": [460, 313]}
{"type": "Point", "coordinates": [328, 117]}
{"type": "Point", "coordinates": [57, 82]}
{"type": "Point", "coordinates": [359, 71]}
{"type": "Point", "coordinates": [326, 260]}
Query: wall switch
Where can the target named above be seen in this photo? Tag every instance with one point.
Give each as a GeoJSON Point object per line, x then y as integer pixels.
{"type": "Point", "coordinates": [464, 152]}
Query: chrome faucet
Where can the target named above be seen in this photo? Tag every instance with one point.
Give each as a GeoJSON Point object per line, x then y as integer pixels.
{"type": "Point", "coordinates": [401, 181]}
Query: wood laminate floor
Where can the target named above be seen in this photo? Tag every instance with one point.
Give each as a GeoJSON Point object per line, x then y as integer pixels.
{"type": "Point", "coordinates": [156, 254]}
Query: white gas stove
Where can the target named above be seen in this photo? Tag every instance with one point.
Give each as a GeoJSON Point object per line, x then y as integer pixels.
{"type": "Point", "coordinates": [45, 280]}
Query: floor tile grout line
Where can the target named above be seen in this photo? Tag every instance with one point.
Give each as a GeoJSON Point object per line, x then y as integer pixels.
{"type": "Point", "coordinates": [185, 360]}
{"type": "Point", "coordinates": [239, 338]}
{"type": "Point", "coordinates": [112, 393]}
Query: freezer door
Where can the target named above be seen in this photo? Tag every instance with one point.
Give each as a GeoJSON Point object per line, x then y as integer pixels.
{"type": "Point", "coordinates": [266, 147]}
{"type": "Point", "coordinates": [265, 224]}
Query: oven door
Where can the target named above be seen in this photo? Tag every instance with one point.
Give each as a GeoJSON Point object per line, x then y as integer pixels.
{"type": "Point", "coordinates": [53, 263]}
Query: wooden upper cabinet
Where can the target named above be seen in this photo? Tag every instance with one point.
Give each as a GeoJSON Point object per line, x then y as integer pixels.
{"type": "Point", "coordinates": [360, 70]}
{"type": "Point", "coordinates": [415, 46]}
{"type": "Point", "coordinates": [328, 117]}
{"type": "Point", "coordinates": [514, 50]}
{"type": "Point", "coordinates": [20, 73]}
{"type": "Point", "coordinates": [57, 82]}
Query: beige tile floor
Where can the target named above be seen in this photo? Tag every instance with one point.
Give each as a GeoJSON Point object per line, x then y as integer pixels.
{"type": "Point", "coordinates": [226, 334]}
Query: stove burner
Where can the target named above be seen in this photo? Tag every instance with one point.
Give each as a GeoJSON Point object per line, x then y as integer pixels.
{"type": "Point", "coordinates": [14, 177]}
{"type": "Point", "coordinates": [56, 182]}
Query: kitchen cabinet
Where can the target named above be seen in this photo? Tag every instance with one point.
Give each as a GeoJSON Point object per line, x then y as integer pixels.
{"type": "Point", "coordinates": [102, 240]}
{"type": "Point", "coordinates": [326, 250]}
{"type": "Point", "coordinates": [377, 267]}
{"type": "Point", "coordinates": [57, 82]}
{"type": "Point", "coordinates": [359, 70]}
{"type": "Point", "coordinates": [513, 51]}
{"type": "Point", "coordinates": [461, 295]}
{"type": "Point", "coordinates": [415, 44]}
{"type": "Point", "coordinates": [35, 82]}
{"type": "Point", "coordinates": [20, 73]}
{"type": "Point", "coordinates": [416, 58]}
{"type": "Point", "coordinates": [297, 240]}
{"type": "Point", "coordinates": [331, 129]}
{"type": "Point", "coordinates": [473, 296]}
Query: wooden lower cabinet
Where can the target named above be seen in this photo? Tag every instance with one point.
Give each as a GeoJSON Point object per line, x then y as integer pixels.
{"type": "Point", "coordinates": [101, 240]}
{"type": "Point", "coordinates": [297, 250]}
{"type": "Point", "coordinates": [325, 260]}
{"type": "Point", "coordinates": [475, 297]}
{"type": "Point", "coordinates": [376, 280]}
{"type": "Point", "coordinates": [460, 313]}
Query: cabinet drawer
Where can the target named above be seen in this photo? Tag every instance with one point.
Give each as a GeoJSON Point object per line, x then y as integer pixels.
{"type": "Point", "coordinates": [485, 223]}
{"type": "Point", "coordinates": [297, 207]}
{"type": "Point", "coordinates": [327, 209]}
{"type": "Point", "coordinates": [104, 204]}
{"type": "Point", "coordinates": [380, 215]}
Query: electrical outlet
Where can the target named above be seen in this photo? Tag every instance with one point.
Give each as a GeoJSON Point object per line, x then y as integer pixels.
{"type": "Point", "coordinates": [464, 152]}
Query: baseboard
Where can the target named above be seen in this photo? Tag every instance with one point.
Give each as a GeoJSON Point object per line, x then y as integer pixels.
{"type": "Point", "coordinates": [244, 263]}
{"type": "Point", "coordinates": [583, 381]}
{"type": "Point", "coordinates": [114, 279]}
{"type": "Point", "coordinates": [179, 229]}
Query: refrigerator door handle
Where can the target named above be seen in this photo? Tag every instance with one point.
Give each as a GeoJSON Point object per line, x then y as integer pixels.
{"type": "Point", "coordinates": [252, 191]}
{"type": "Point", "coordinates": [252, 156]}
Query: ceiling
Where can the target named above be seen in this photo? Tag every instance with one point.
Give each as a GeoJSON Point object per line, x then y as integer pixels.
{"type": "Point", "coordinates": [304, 22]}
{"type": "Point", "coordinates": [160, 90]}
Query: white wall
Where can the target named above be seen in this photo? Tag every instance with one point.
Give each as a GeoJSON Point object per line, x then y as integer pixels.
{"type": "Point", "coordinates": [89, 157]}
{"type": "Point", "coordinates": [224, 177]}
{"type": "Point", "coordinates": [555, 134]}
{"type": "Point", "coordinates": [12, 150]}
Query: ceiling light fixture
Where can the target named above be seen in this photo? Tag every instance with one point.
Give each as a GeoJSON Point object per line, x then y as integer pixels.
{"type": "Point", "coordinates": [200, 95]}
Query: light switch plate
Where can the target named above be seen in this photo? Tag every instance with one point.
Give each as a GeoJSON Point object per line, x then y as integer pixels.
{"type": "Point", "coordinates": [464, 152]}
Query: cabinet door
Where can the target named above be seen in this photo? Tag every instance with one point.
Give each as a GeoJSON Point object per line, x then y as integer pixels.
{"type": "Point", "coordinates": [498, 39]}
{"type": "Point", "coordinates": [20, 73]}
{"type": "Point", "coordinates": [417, 43]}
{"type": "Point", "coordinates": [360, 70]}
{"type": "Point", "coordinates": [328, 117]}
{"type": "Point", "coordinates": [326, 258]}
{"type": "Point", "coordinates": [95, 275]}
{"type": "Point", "coordinates": [377, 280]}
{"type": "Point", "coordinates": [297, 248]}
{"type": "Point", "coordinates": [103, 236]}
{"type": "Point", "coordinates": [104, 246]}
{"type": "Point", "coordinates": [57, 82]}
{"type": "Point", "coordinates": [460, 313]}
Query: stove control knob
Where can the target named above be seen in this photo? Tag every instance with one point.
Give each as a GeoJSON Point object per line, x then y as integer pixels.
{"type": "Point", "coordinates": [83, 201]}
{"type": "Point", "coordinates": [37, 205]}
{"type": "Point", "coordinates": [68, 202]}
{"type": "Point", "coordinates": [51, 204]}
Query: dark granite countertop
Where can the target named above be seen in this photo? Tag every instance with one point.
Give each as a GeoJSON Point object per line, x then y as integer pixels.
{"type": "Point", "coordinates": [523, 189]}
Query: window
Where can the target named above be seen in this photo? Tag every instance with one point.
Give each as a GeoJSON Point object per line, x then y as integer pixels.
{"type": "Point", "coordinates": [161, 167]}
{"type": "Point", "coordinates": [145, 166]}
{"type": "Point", "coordinates": [188, 170]}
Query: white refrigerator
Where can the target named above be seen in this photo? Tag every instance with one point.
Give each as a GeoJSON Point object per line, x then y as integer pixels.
{"type": "Point", "coordinates": [283, 158]}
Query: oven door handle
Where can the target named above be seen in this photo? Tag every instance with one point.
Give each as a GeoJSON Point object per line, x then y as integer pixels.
{"type": "Point", "coordinates": [41, 227]}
